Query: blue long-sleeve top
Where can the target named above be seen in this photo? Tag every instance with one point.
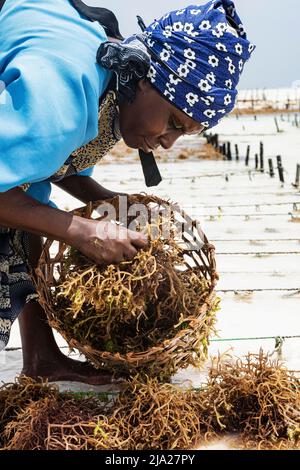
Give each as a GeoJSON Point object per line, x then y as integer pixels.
{"type": "Point", "coordinates": [50, 86]}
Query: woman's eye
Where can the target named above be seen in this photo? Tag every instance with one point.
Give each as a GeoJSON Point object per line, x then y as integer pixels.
{"type": "Point", "coordinates": [176, 126]}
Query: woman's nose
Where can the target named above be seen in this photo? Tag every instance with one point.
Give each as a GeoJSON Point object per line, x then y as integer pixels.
{"type": "Point", "coordinates": [167, 140]}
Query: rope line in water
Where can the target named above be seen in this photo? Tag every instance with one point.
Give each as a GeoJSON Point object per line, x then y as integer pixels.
{"type": "Point", "coordinates": [253, 204]}
{"type": "Point", "coordinates": [271, 289]}
{"type": "Point", "coordinates": [254, 214]}
{"type": "Point", "coordinates": [255, 240]}
{"type": "Point", "coordinates": [259, 253]}
{"type": "Point", "coordinates": [255, 338]}
{"type": "Point", "coordinates": [210, 175]}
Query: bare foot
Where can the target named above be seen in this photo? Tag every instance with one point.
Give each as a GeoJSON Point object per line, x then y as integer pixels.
{"type": "Point", "coordinates": [43, 359]}
{"type": "Point", "coordinates": [62, 368]}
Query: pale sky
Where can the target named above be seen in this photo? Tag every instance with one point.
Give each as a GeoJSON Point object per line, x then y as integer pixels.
{"type": "Point", "coordinates": [273, 25]}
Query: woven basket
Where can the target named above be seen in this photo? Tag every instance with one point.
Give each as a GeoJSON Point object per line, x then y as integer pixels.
{"type": "Point", "coordinates": [186, 347]}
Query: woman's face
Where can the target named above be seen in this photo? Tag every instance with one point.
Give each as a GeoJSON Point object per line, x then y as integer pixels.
{"type": "Point", "coordinates": [151, 121]}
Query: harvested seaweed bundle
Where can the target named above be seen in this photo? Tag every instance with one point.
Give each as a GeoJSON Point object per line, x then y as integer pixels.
{"type": "Point", "coordinates": [258, 398]}
{"type": "Point", "coordinates": [54, 422]}
{"type": "Point", "coordinates": [152, 314]}
{"type": "Point", "coordinates": [15, 397]}
{"type": "Point", "coordinates": [146, 415]}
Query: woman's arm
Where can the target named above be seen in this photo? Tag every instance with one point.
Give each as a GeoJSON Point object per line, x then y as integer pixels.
{"type": "Point", "coordinates": [86, 189]}
{"type": "Point", "coordinates": [100, 241]}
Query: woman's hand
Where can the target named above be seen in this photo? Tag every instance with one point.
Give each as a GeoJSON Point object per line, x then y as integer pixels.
{"type": "Point", "coordinates": [104, 242]}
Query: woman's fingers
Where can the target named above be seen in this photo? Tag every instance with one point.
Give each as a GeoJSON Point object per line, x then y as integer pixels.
{"type": "Point", "coordinates": [106, 243]}
{"type": "Point", "coordinates": [139, 240]}
{"type": "Point", "coordinates": [130, 252]}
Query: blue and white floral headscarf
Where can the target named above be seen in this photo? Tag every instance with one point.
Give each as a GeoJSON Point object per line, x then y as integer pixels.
{"type": "Point", "coordinates": [194, 57]}
{"type": "Point", "coordinates": [198, 54]}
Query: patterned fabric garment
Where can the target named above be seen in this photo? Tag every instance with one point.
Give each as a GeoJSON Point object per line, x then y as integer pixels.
{"type": "Point", "coordinates": [197, 55]}
{"type": "Point", "coordinates": [90, 154]}
{"type": "Point", "coordinates": [108, 136]}
{"type": "Point", "coordinates": [16, 288]}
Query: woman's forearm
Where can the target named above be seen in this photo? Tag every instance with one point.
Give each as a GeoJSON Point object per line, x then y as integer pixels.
{"type": "Point", "coordinates": [101, 241]}
{"type": "Point", "coordinates": [20, 211]}
{"type": "Point", "coordinates": [85, 189]}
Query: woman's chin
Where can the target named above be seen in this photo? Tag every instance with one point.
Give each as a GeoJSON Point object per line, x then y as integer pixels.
{"type": "Point", "coordinates": [130, 142]}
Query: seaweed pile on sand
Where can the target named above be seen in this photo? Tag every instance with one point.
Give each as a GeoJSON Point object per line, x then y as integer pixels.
{"type": "Point", "coordinates": [257, 399]}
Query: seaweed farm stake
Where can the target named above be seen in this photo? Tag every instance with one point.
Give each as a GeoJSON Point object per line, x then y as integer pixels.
{"type": "Point", "coordinates": [276, 124]}
{"type": "Point", "coordinates": [271, 168]}
{"type": "Point", "coordinates": [237, 152]}
{"type": "Point", "coordinates": [216, 141]}
{"type": "Point", "coordinates": [280, 169]}
{"type": "Point", "coordinates": [261, 156]}
{"type": "Point", "coordinates": [297, 180]}
{"type": "Point", "coordinates": [224, 150]}
{"type": "Point", "coordinates": [229, 155]}
{"type": "Point", "coordinates": [247, 155]}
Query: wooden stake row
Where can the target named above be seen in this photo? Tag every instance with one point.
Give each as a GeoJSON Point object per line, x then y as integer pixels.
{"type": "Point", "coordinates": [226, 150]}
